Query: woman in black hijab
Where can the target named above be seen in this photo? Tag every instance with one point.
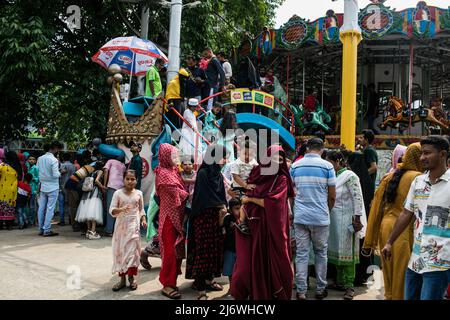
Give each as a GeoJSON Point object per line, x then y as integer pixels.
{"type": "Point", "coordinates": [205, 239]}
{"type": "Point", "coordinates": [357, 164]}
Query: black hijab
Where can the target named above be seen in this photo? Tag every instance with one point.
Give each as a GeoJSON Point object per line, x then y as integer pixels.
{"type": "Point", "coordinates": [357, 164]}
{"type": "Point", "coordinates": [209, 188]}
{"type": "Point", "coordinates": [12, 160]}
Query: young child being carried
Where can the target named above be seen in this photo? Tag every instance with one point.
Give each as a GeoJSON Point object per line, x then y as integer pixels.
{"type": "Point", "coordinates": [188, 175]}
{"type": "Point", "coordinates": [229, 245]}
{"type": "Point", "coordinates": [240, 171]}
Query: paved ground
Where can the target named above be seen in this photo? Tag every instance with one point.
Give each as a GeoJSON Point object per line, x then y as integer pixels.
{"type": "Point", "coordinates": [71, 267]}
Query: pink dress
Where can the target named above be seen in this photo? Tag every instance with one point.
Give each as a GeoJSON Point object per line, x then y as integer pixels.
{"type": "Point", "coordinates": [126, 241]}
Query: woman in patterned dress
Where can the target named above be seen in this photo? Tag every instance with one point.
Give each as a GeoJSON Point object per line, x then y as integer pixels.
{"type": "Point", "coordinates": [173, 195]}
{"type": "Point", "coordinates": [205, 238]}
{"type": "Point", "coordinates": [10, 170]}
{"type": "Point", "coordinates": [347, 221]}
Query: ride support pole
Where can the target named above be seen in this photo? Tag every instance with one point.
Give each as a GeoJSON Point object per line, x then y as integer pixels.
{"type": "Point", "coordinates": [350, 36]}
{"type": "Point", "coordinates": [350, 40]}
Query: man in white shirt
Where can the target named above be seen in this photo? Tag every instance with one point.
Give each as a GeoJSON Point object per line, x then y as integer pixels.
{"type": "Point", "coordinates": [49, 175]}
{"type": "Point", "coordinates": [428, 203]}
{"type": "Point", "coordinates": [226, 65]}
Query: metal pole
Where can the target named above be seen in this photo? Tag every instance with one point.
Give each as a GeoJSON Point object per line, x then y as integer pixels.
{"type": "Point", "coordinates": [410, 83]}
{"type": "Point", "coordinates": [303, 89]}
{"type": "Point", "coordinates": [131, 76]}
{"type": "Point", "coordinates": [322, 90]}
{"type": "Point", "coordinates": [145, 16]}
{"type": "Point", "coordinates": [287, 76]}
{"type": "Point", "coordinates": [174, 39]}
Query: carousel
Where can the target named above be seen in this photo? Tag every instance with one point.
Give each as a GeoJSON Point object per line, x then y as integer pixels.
{"type": "Point", "coordinates": [403, 60]}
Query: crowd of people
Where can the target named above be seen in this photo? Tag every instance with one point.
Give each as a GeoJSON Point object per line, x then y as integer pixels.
{"type": "Point", "coordinates": [317, 214]}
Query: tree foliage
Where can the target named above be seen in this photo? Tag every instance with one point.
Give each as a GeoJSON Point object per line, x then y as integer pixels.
{"type": "Point", "coordinates": [47, 79]}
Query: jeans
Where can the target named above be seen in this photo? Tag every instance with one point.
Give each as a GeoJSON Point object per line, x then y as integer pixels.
{"type": "Point", "coordinates": [21, 218]}
{"type": "Point", "coordinates": [47, 204]}
{"type": "Point", "coordinates": [61, 200]}
{"type": "Point", "coordinates": [110, 220]}
{"type": "Point", "coordinates": [426, 286]}
{"type": "Point", "coordinates": [213, 91]}
{"type": "Point", "coordinates": [31, 216]}
{"type": "Point", "coordinates": [303, 236]}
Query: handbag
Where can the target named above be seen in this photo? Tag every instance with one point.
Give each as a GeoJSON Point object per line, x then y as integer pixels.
{"type": "Point", "coordinates": [88, 184]}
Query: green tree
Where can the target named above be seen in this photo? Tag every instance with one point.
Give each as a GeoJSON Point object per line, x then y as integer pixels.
{"type": "Point", "coordinates": [47, 78]}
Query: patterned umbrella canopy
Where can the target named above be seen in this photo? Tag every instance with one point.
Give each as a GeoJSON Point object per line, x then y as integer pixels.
{"type": "Point", "coordinates": [134, 55]}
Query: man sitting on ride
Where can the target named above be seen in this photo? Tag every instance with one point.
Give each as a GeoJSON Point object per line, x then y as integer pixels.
{"type": "Point", "coordinates": [310, 103]}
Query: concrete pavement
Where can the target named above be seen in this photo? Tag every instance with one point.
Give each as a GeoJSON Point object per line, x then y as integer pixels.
{"type": "Point", "coordinates": [70, 267]}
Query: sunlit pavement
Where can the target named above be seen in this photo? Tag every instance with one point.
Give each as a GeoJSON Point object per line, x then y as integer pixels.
{"type": "Point", "coordinates": [70, 267]}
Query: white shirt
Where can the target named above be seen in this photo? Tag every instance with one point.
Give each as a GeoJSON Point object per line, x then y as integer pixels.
{"type": "Point", "coordinates": [227, 69]}
{"type": "Point", "coordinates": [431, 207]}
{"type": "Point", "coordinates": [242, 169]}
{"type": "Point", "coordinates": [49, 173]}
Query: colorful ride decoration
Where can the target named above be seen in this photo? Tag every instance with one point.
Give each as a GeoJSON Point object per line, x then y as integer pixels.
{"type": "Point", "coordinates": [398, 115]}
{"type": "Point", "coordinates": [376, 21]}
{"type": "Point", "coordinates": [121, 132]}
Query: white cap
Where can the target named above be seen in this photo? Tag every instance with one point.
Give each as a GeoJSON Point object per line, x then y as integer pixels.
{"type": "Point", "coordinates": [193, 102]}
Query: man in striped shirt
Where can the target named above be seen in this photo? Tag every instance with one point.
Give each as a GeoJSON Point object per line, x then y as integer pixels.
{"type": "Point", "coordinates": [315, 181]}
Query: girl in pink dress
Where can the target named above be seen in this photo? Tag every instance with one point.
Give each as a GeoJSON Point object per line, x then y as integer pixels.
{"type": "Point", "coordinates": [127, 206]}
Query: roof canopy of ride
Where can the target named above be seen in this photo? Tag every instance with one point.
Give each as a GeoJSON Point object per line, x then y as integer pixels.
{"type": "Point", "coordinates": [308, 53]}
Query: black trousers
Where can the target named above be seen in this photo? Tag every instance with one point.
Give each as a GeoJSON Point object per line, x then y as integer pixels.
{"type": "Point", "coordinates": [172, 116]}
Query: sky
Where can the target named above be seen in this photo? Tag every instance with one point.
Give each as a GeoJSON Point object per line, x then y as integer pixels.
{"type": "Point", "coordinates": [313, 9]}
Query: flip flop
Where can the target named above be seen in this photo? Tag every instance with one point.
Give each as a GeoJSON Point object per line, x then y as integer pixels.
{"type": "Point", "coordinates": [243, 228]}
{"type": "Point", "coordinates": [133, 285]}
{"type": "Point", "coordinates": [214, 286]}
{"type": "Point", "coordinates": [174, 294]}
{"type": "Point", "coordinates": [201, 296]}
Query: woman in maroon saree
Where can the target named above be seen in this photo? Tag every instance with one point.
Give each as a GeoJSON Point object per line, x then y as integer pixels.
{"type": "Point", "coordinates": [263, 265]}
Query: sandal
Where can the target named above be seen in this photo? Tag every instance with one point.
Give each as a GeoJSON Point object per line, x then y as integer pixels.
{"type": "Point", "coordinates": [119, 286]}
{"type": "Point", "coordinates": [202, 296]}
{"type": "Point", "coordinates": [144, 260]}
{"type": "Point", "coordinates": [349, 294]}
{"type": "Point", "coordinates": [174, 294]}
{"type": "Point", "coordinates": [243, 228]}
{"type": "Point", "coordinates": [133, 284]}
{"type": "Point", "coordinates": [214, 286]}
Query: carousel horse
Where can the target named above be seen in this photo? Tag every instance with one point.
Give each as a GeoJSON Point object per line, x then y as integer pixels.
{"type": "Point", "coordinates": [397, 115]}
{"type": "Point", "coordinates": [312, 121]}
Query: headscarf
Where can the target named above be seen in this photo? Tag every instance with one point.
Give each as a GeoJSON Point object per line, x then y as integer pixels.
{"type": "Point", "coordinates": [2, 155]}
{"type": "Point", "coordinates": [168, 180]}
{"type": "Point", "coordinates": [411, 159]}
{"type": "Point", "coordinates": [264, 182]}
{"type": "Point", "coordinates": [358, 165]}
{"type": "Point", "coordinates": [399, 151]}
{"type": "Point", "coordinates": [13, 161]}
{"type": "Point", "coordinates": [209, 188]}
{"type": "Point", "coordinates": [167, 171]}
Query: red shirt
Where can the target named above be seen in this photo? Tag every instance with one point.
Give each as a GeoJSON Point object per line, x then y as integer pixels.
{"type": "Point", "coordinates": [310, 103]}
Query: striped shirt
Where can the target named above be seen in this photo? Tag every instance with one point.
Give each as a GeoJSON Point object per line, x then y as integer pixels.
{"type": "Point", "coordinates": [312, 176]}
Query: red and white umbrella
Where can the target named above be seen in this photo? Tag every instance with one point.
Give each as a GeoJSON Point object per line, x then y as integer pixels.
{"type": "Point", "coordinates": [134, 55]}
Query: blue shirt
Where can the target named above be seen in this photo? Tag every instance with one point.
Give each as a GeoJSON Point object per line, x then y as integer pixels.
{"type": "Point", "coordinates": [312, 176]}
{"type": "Point", "coordinates": [48, 172]}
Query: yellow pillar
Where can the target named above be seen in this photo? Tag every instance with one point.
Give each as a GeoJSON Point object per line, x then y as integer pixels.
{"type": "Point", "coordinates": [350, 40]}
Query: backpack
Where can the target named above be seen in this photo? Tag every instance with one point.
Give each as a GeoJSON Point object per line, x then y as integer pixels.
{"type": "Point", "coordinates": [88, 184]}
